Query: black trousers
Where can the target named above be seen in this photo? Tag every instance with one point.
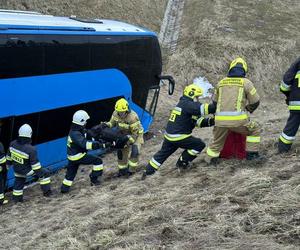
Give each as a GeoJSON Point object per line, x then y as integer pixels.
{"type": "Point", "coordinates": [192, 145]}
{"type": "Point", "coordinates": [73, 166]}
{"type": "Point", "coordinates": [3, 174]}
{"type": "Point", "coordinates": [44, 179]}
{"type": "Point", "coordinates": [288, 135]}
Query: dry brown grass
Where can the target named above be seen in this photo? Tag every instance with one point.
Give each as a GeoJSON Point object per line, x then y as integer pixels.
{"type": "Point", "coordinates": [233, 206]}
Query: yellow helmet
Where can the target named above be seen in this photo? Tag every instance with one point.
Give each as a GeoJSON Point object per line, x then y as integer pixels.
{"type": "Point", "coordinates": [193, 91]}
{"type": "Point", "coordinates": [122, 105]}
{"type": "Point", "coordinates": [240, 61]}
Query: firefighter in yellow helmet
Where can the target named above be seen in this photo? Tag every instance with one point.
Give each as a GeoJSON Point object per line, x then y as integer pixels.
{"type": "Point", "coordinates": [186, 115]}
{"type": "Point", "coordinates": [127, 121]}
{"type": "Point", "coordinates": [236, 97]}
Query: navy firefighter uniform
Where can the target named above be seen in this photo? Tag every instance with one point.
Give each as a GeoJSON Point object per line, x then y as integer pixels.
{"type": "Point", "coordinates": [24, 159]}
{"type": "Point", "coordinates": [78, 144]}
{"type": "Point", "coordinates": [187, 114]}
{"type": "Point", "coordinates": [290, 86]}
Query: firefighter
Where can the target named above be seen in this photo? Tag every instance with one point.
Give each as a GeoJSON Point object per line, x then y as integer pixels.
{"type": "Point", "coordinates": [3, 173]}
{"type": "Point", "coordinates": [187, 114]}
{"type": "Point", "coordinates": [23, 157]}
{"type": "Point", "coordinates": [127, 121]}
{"type": "Point", "coordinates": [290, 87]}
{"type": "Point", "coordinates": [78, 143]}
{"type": "Point", "coordinates": [235, 95]}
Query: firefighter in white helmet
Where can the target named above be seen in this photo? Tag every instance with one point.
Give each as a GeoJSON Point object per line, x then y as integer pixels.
{"type": "Point", "coordinates": [78, 144]}
{"type": "Point", "coordinates": [24, 159]}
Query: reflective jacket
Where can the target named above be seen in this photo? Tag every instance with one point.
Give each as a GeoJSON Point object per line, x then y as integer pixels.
{"type": "Point", "coordinates": [183, 118]}
{"type": "Point", "coordinates": [23, 156]}
{"type": "Point", "coordinates": [290, 86]}
{"type": "Point", "coordinates": [232, 95]}
{"type": "Point", "coordinates": [78, 143]}
{"type": "Point", "coordinates": [129, 125]}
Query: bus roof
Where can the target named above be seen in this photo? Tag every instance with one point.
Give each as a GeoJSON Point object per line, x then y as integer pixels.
{"type": "Point", "coordinates": [29, 20]}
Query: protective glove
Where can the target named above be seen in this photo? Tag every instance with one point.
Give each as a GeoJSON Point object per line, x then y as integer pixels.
{"type": "Point", "coordinates": [109, 144]}
{"type": "Point", "coordinates": [97, 145]}
{"type": "Point", "coordinates": [103, 125]}
{"type": "Point", "coordinates": [130, 139]}
{"type": "Point", "coordinates": [211, 121]}
{"type": "Point", "coordinates": [121, 142]}
{"type": "Point", "coordinates": [249, 109]}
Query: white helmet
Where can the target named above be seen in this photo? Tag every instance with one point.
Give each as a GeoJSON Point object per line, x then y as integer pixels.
{"type": "Point", "coordinates": [25, 131]}
{"type": "Point", "coordinates": [80, 117]}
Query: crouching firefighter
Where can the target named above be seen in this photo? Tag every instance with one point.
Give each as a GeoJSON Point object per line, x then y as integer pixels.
{"type": "Point", "coordinates": [187, 114]}
{"type": "Point", "coordinates": [23, 157]}
{"type": "Point", "coordinates": [128, 123]}
{"type": "Point", "coordinates": [290, 86]}
{"type": "Point", "coordinates": [235, 96]}
{"type": "Point", "coordinates": [78, 144]}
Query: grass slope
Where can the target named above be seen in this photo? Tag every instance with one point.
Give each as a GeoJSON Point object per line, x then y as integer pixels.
{"type": "Point", "coordinates": [234, 206]}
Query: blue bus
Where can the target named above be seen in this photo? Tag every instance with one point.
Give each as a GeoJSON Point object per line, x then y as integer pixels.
{"type": "Point", "coordinates": [52, 66]}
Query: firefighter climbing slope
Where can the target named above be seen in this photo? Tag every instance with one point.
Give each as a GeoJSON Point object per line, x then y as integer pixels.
{"type": "Point", "coordinates": [290, 86]}
{"type": "Point", "coordinates": [235, 96]}
{"type": "Point", "coordinates": [187, 114]}
{"type": "Point", "coordinates": [79, 142]}
{"type": "Point", "coordinates": [23, 157]}
{"type": "Point", "coordinates": [127, 121]}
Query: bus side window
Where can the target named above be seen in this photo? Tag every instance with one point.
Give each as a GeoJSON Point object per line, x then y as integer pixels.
{"type": "Point", "coordinates": [55, 124]}
{"type": "Point", "coordinates": [22, 55]}
{"type": "Point", "coordinates": [66, 53]}
{"type": "Point", "coordinates": [138, 51]}
{"type": "Point", "coordinates": [107, 52]}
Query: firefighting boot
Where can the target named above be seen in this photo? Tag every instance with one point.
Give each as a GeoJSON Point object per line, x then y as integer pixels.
{"type": "Point", "coordinates": [48, 193]}
{"type": "Point", "coordinates": [3, 202]}
{"type": "Point", "coordinates": [18, 198]}
{"type": "Point", "coordinates": [46, 189]}
{"type": "Point", "coordinates": [64, 189]}
{"type": "Point", "coordinates": [95, 180]}
{"type": "Point", "coordinates": [148, 171]}
{"type": "Point", "coordinates": [124, 172]}
{"type": "Point", "coordinates": [182, 164]}
{"type": "Point", "coordinates": [255, 156]}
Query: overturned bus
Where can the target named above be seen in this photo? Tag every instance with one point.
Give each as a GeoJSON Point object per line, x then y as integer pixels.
{"type": "Point", "coordinates": [52, 66]}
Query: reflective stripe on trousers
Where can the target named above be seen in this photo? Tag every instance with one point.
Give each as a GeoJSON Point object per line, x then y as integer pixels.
{"type": "Point", "coordinates": [98, 167]}
{"type": "Point", "coordinates": [212, 153]}
{"type": "Point", "coordinates": [155, 164]}
{"type": "Point", "coordinates": [17, 192]}
{"type": "Point", "coordinates": [286, 139]}
{"type": "Point", "coordinates": [193, 152]}
{"type": "Point", "coordinates": [120, 166]}
{"type": "Point", "coordinates": [67, 182]}
{"type": "Point", "coordinates": [76, 157]}
{"type": "Point", "coordinates": [132, 163]}
{"type": "Point", "coordinates": [45, 181]}
{"type": "Point", "coordinates": [253, 139]}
